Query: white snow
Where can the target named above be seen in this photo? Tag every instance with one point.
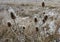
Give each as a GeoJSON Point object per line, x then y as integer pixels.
{"type": "Point", "coordinates": [52, 27]}
{"type": "Point", "coordinates": [59, 30]}
{"type": "Point", "coordinates": [52, 14]}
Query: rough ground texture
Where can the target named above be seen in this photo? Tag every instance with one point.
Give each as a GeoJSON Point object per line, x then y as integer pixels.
{"type": "Point", "coordinates": [29, 23]}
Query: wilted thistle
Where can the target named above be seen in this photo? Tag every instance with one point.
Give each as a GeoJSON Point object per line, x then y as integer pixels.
{"type": "Point", "coordinates": [45, 18]}
{"type": "Point", "coordinates": [43, 12]}
{"type": "Point", "coordinates": [35, 20]}
{"type": "Point", "coordinates": [12, 15]}
{"type": "Point", "coordinates": [9, 24]}
{"type": "Point", "coordinates": [6, 40]}
{"type": "Point", "coordinates": [37, 29]}
{"type": "Point", "coordinates": [43, 21]}
{"type": "Point", "coordinates": [23, 27]}
{"type": "Point", "coordinates": [43, 4]}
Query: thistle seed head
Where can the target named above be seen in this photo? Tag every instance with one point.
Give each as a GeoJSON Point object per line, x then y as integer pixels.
{"type": "Point", "coordinates": [23, 27]}
{"type": "Point", "coordinates": [35, 20]}
{"type": "Point", "coordinates": [9, 24]}
{"type": "Point", "coordinates": [37, 29]}
{"type": "Point", "coordinates": [43, 4]}
{"type": "Point", "coordinates": [46, 17]}
{"type": "Point", "coordinates": [12, 15]}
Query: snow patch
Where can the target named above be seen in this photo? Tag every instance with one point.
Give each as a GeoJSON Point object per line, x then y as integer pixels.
{"type": "Point", "coordinates": [59, 30]}
{"type": "Point", "coordinates": [52, 27]}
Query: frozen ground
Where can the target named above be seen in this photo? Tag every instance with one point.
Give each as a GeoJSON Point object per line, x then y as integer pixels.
{"type": "Point", "coordinates": [29, 23]}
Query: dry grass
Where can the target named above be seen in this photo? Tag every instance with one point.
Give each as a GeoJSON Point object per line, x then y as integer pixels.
{"type": "Point", "coordinates": [16, 33]}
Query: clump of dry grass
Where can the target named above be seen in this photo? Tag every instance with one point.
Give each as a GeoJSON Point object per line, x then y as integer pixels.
{"type": "Point", "coordinates": [31, 31]}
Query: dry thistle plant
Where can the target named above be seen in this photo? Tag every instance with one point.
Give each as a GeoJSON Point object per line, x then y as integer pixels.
{"type": "Point", "coordinates": [35, 20]}
{"type": "Point", "coordinates": [37, 29]}
{"type": "Point", "coordinates": [45, 18]}
{"type": "Point", "coordinates": [9, 24]}
{"type": "Point", "coordinates": [12, 15]}
{"type": "Point", "coordinates": [23, 27]}
{"type": "Point", "coordinates": [43, 4]}
{"type": "Point", "coordinates": [43, 12]}
{"type": "Point", "coordinates": [29, 29]}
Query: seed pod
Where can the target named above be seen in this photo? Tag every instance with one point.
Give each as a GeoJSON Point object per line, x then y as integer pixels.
{"type": "Point", "coordinates": [9, 24]}
{"type": "Point", "coordinates": [6, 40]}
{"type": "Point", "coordinates": [12, 15]}
{"type": "Point", "coordinates": [23, 27]}
{"type": "Point", "coordinates": [43, 4]}
{"type": "Point", "coordinates": [43, 12]}
{"type": "Point", "coordinates": [35, 20]}
{"type": "Point", "coordinates": [43, 21]}
{"type": "Point", "coordinates": [37, 29]}
{"type": "Point", "coordinates": [46, 17]}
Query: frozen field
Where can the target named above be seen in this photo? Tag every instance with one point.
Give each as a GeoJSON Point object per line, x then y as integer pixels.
{"type": "Point", "coordinates": [28, 21]}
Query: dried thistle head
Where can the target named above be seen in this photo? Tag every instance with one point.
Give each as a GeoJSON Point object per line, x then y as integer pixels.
{"type": "Point", "coordinates": [35, 20]}
{"type": "Point", "coordinates": [12, 15]}
{"type": "Point", "coordinates": [45, 18]}
{"type": "Point", "coordinates": [23, 27]}
{"type": "Point", "coordinates": [43, 4]}
{"type": "Point", "coordinates": [43, 12]}
{"type": "Point", "coordinates": [43, 21]}
{"type": "Point", "coordinates": [6, 40]}
{"type": "Point", "coordinates": [9, 24]}
{"type": "Point", "coordinates": [37, 29]}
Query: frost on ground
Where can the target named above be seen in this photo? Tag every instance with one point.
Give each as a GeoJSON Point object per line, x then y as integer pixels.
{"type": "Point", "coordinates": [29, 23]}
